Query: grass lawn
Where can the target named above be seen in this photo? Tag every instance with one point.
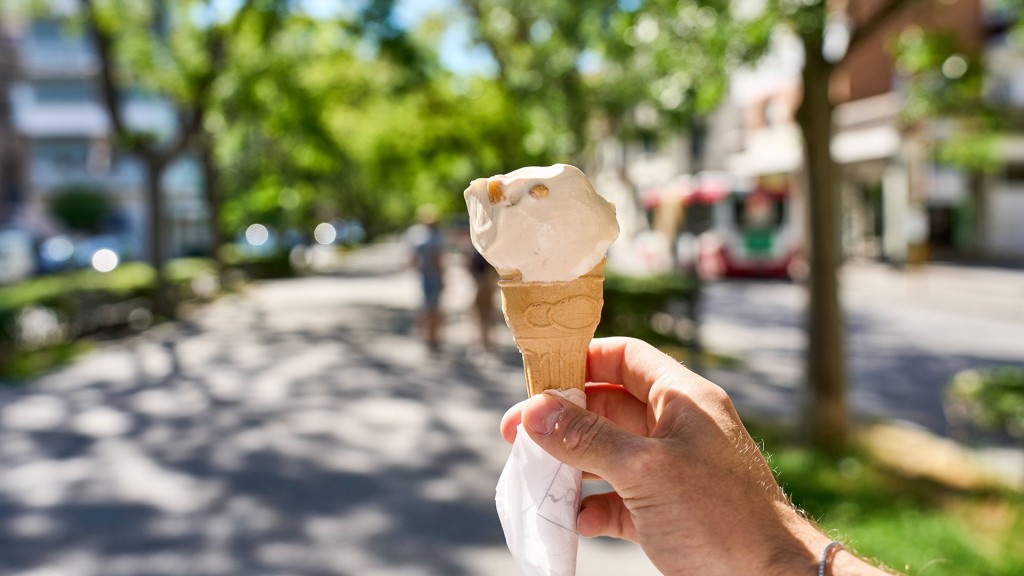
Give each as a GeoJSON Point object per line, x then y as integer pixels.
{"type": "Point", "coordinates": [914, 525]}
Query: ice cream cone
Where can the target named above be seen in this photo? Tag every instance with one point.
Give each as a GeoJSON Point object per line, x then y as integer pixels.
{"type": "Point", "coordinates": [553, 324]}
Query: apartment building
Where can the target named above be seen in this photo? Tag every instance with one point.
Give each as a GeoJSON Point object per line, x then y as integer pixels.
{"type": "Point", "coordinates": [899, 202]}
{"type": "Point", "coordinates": [65, 136]}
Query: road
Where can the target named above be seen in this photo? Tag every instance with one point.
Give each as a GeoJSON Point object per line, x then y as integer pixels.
{"type": "Point", "coordinates": [907, 334]}
{"type": "Point", "coordinates": [300, 428]}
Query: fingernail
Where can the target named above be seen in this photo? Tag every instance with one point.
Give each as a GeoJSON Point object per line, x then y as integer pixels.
{"type": "Point", "coordinates": [541, 413]}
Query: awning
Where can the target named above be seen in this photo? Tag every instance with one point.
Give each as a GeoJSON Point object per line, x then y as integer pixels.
{"type": "Point", "coordinates": [876, 143]}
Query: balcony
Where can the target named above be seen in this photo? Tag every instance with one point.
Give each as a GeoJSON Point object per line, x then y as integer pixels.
{"type": "Point", "coordinates": [89, 119]}
{"type": "Point", "coordinates": [65, 58]}
{"type": "Point", "coordinates": [127, 173]}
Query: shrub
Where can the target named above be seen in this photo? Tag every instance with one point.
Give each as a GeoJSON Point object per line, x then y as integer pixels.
{"type": "Point", "coordinates": [991, 398]}
{"type": "Point", "coordinates": [82, 207]}
{"type": "Point", "coordinates": [41, 315]}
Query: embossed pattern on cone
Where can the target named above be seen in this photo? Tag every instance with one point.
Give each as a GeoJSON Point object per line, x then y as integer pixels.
{"type": "Point", "coordinates": [553, 324]}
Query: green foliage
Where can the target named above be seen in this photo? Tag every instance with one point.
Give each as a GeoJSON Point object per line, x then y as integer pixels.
{"type": "Point", "coordinates": [913, 525]}
{"type": "Point", "coordinates": [42, 290]}
{"type": "Point", "coordinates": [126, 279]}
{"type": "Point", "coordinates": [28, 363]}
{"type": "Point", "coordinates": [945, 83]}
{"type": "Point", "coordinates": [82, 208]}
{"type": "Point", "coordinates": [991, 398]}
{"type": "Point", "coordinates": [944, 79]}
{"type": "Point", "coordinates": [633, 70]}
{"type": "Point", "coordinates": [312, 127]}
{"type": "Point", "coordinates": [82, 301]}
{"type": "Point", "coordinates": [658, 309]}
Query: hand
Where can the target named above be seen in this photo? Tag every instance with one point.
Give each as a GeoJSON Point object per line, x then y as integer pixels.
{"type": "Point", "coordinates": [690, 485]}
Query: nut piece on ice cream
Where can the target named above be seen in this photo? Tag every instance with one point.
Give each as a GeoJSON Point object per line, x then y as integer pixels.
{"type": "Point", "coordinates": [546, 231]}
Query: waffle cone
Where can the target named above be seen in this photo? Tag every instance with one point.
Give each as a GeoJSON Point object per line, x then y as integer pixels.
{"type": "Point", "coordinates": [553, 324]}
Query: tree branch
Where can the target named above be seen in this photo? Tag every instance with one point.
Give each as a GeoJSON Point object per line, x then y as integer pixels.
{"type": "Point", "coordinates": [103, 42]}
{"type": "Point", "coordinates": [500, 58]}
{"type": "Point", "coordinates": [190, 121]}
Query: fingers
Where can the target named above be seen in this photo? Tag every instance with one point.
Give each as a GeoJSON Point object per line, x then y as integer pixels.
{"type": "Point", "coordinates": [511, 419]}
{"type": "Point", "coordinates": [578, 437]}
{"type": "Point", "coordinates": [612, 402]}
{"type": "Point", "coordinates": [619, 406]}
{"type": "Point", "coordinates": [605, 515]}
{"type": "Point", "coordinates": [634, 364]}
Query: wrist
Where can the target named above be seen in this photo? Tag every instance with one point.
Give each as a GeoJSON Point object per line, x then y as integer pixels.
{"type": "Point", "coordinates": [799, 547]}
{"type": "Point", "coordinates": [845, 563]}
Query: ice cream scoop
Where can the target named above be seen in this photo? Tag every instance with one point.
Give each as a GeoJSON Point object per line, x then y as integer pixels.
{"type": "Point", "coordinates": [548, 223]}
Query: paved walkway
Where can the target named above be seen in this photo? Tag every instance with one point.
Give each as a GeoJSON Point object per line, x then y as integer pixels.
{"type": "Point", "coordinates": [298, 428]}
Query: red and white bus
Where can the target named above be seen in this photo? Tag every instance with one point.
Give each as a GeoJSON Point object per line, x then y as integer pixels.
{"type": "Point", "coordinates": [725, 228]}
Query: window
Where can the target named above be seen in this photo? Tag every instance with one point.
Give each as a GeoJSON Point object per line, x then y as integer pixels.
{"type": "Point", "coordinates": [61, 154]}
{"type": "Point", "coordinates": [1015, 173]}
{"type": "Point", "coordinates": [47, 30]}
{"type": "Point", "coordinates": [64, 91]}
{"type": "Point", "coordinates": [758, 210]}
{"type": "Point", "coordinates": [699, 218]}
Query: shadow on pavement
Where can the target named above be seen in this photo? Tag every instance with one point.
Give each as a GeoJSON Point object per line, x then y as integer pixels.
{"type": "Point", "coordinates": [251, 442]}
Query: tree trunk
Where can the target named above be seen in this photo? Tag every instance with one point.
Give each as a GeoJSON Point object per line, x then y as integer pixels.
{"type": "Point", "coordinates": [211, 181]}
{"type": "Point", "coordinates": [162, 305]}
{"type": "Point", "coordinates": [827, 419]}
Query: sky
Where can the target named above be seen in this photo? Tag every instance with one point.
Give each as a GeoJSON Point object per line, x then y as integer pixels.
{"type": "Point", "coordinates": [457, 53]}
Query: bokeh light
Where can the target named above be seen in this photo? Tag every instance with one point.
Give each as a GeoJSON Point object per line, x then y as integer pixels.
{"type": "Point", "coordinates": [954, 67]}
{"type": "Point", "coordinates": [325, 233]}
{"type": "Point", "coordinates": [57, 249]}
{"type": "Point", "coordinates": [257, 234]}
{"type": "Point", "coordinates": [104, 260]}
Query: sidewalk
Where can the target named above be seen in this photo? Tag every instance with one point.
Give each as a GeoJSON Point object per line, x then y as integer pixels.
{"type": "Point", "coordinates": [298, 428]}
{"type": "Point", "coordinates": [301, 428]}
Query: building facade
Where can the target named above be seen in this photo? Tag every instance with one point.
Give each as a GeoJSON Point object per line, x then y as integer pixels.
{"type": "Point", "coordinates": [899, 201]}
{"type": "Point", "coordinates": [66, 139]}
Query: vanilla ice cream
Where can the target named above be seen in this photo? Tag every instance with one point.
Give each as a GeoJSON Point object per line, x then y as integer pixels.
{"type": "Point", "coordinates": [546, 222]}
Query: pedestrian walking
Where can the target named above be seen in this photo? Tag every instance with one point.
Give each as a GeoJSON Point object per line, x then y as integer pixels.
{"type": "Point", "coordinates": [486, 280]}
{"type": "Point", "coordinates": [427, 249]}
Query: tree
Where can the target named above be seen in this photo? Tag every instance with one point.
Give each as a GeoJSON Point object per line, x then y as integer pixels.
{"type": "Point", "coordinates": [162, 48]}
{"type": "Point", "coordinates": [677, 57]}
{"type": "Point", "coordinates": [316, 126]}
{"type": "Point", "coordinates": [828, 416]}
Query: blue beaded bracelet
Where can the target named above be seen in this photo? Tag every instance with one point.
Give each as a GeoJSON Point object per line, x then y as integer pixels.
{"type": "Point", "coordinates": [826, 555]}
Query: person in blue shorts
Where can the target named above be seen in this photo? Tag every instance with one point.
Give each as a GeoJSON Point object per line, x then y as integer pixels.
{"type": "Point", "coordinates": [427, 245]}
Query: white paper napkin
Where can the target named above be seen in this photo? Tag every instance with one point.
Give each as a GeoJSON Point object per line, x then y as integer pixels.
{"type": "Point", "coordinates": [538, 498]}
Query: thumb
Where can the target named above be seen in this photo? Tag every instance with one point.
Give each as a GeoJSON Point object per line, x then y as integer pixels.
{"type": "Point", "coordinates": [575, 436]}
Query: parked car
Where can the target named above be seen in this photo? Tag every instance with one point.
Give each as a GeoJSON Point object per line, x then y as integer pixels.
{"type": "Point", "coordinates": [86, 248]}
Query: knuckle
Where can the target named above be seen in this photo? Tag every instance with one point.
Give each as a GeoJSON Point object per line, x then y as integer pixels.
{"type": "Point", "coordinates": [582, 433]}
{"type": "Point", "coordinates": [718, 398]}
